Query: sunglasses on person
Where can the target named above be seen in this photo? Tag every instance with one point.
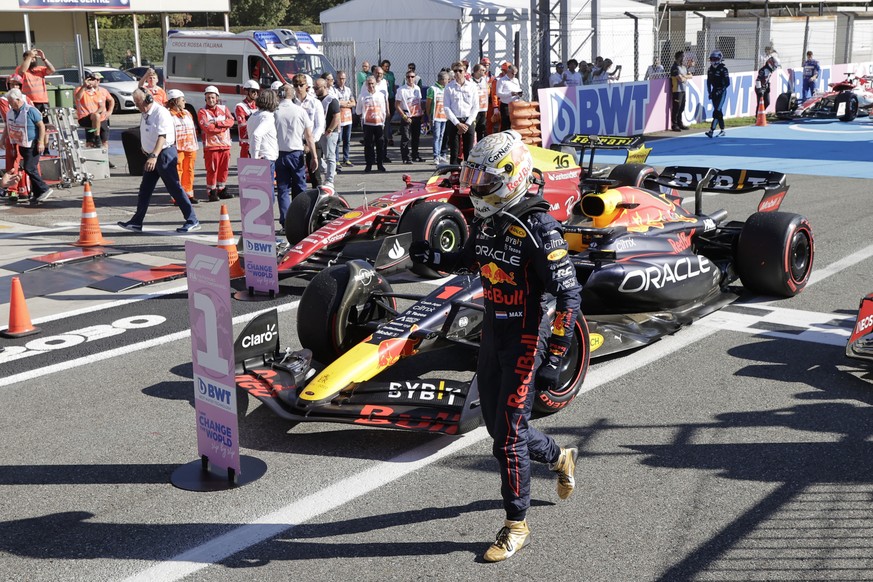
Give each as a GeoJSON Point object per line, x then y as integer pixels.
{"type": "Point", "coordinates": [458, 70]}
{"type": "Point", "coordinates": [298, 84]}
{"type": "Point", "coordinates": [410, 76]}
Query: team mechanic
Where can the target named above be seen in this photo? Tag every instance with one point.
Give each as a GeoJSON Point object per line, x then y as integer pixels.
{"type": "Point", "coordinates": [521, 255]}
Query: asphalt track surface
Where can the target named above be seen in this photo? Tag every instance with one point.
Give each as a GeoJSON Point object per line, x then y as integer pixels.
{"type": "Point", "coordinates": [737, 449]}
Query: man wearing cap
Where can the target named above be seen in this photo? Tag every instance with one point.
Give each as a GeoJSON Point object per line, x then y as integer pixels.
{"type": "Point", "coordinates": [94, 106]}
{"type": "Point", "coordinates": [243, 111]}
{"type": "Point", "coordinates": [556, 79]}
{"type": "Point", "coordinates": [158, 142]}
{"type": "Point", "coordinates": [811, 72]}
{"type": "Point", "coordinates": [215, 122]}
{"type": "Point", "coordinates": [26, 131]}
{"type": "Point", "coordinates": [33, 77]}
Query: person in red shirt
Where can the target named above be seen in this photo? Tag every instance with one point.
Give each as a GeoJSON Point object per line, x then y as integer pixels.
{"type": "Point", "coordinates": [215, 122]}
{"type": "Point", "coordinates": [243, 111]}
{"type": "Point", "coordinates": [33, 77]}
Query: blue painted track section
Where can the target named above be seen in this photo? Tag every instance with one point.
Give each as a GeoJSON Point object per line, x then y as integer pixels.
{"type": "Point", "coordinates": [820, 147]}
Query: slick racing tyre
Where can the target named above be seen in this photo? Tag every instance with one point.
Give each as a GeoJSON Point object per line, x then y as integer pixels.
{"type": "Point", "coordinates": [440, 224]}
{"type": "Point", "coordinates": [309, 211]}
{"type": "Point", "coordinates": [632, 174]}
{"type": "Point", "coordinates": [331, 317]}
{"type": "Point", "coordinates": [850, 100]}
{"type": "Point", "coordinates": [775, 251]}
{"type": "Point", "coordinates": [786, 103]}
{"type": "Point", "coordinates": [573, 371]}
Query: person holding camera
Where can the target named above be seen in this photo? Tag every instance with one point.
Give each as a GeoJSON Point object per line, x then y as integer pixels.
{"type": "Point", "coordinates": [33, 77]}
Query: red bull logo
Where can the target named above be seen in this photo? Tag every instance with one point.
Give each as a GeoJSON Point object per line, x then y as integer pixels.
{"type": "Point", "coordinates": [496, 275]}
{"type": "Point", "coordinates": [393, 349]}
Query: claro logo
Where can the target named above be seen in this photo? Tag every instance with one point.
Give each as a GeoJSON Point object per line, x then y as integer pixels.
{"type": "Point", "coordinates": [639, 280]}
{"type": "Point", "coordinates": [257, 339]}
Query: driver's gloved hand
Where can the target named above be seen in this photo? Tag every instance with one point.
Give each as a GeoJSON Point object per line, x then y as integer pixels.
{"type": "Point", "coordinates": [548, 373]}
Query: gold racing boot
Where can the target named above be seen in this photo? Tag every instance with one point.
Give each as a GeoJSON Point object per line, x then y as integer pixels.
{"type": "Point", "coordinates": [513, 536]}
{"type": "Point", "coordinates": [565, 467]}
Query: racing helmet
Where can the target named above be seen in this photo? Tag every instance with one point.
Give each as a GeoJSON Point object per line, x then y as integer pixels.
{"type": "Point", "coordinates": [716, 56]}
{"type": "Point", "coordinates": [497, 171]}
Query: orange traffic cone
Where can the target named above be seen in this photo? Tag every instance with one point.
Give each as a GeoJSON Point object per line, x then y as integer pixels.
{"type": "Point", "coordinates": [19, 317]}
{"type": "Point", "coordinates": [89, 229]}
{"type": "Point", "coordinates": [225, 241]}
{"type": "Point", "coordinates": [761, 117]}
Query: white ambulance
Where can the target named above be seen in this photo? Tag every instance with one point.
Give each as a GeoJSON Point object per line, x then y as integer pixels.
{"type": "Point", "coordinates": [195, 59]}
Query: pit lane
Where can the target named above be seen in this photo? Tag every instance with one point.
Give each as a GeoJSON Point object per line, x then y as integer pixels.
{"type": "Point", "coordinates": [720, 452]}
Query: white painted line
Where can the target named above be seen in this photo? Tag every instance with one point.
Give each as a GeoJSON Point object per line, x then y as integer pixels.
{"type": "Point", "coordinates": [122, 351]}
{"type": "Point", "coordinates": [307, 508]}
{"type": "Point", "coordinates": [111, 304]}
{"type": "Point", "coordinates": [796, 127]}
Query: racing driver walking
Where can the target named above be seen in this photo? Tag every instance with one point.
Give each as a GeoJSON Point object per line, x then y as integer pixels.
{"type": "Point", "coordinates": [521, 256]}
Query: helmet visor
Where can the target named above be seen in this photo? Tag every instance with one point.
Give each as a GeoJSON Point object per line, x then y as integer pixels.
{"type": "Point", "coordinates": [480, 179]}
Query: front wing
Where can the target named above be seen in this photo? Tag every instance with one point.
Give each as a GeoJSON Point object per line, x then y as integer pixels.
{"type": "Point", "coordinates": [860, 344]}
{"type": "Point", "coordinates": [440, 406]}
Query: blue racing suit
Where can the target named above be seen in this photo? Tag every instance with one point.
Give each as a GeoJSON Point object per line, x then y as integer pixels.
{"type": "Point", "coordinates": [717, 81]}
{"type": "Point", "coordinates": [522, 261]}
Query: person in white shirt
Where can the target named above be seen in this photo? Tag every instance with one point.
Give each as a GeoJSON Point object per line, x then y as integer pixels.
{"type": "Point", "coordinates": [293, 135]}
{"type": "Point", "coordinates": [556, 79]}
{"type": "Point", "coordinates": [158, 141]}
{"type": "Point", "coordinates": [328, 141]}
{"type": "Point", "coordinates": [313, 107]}
{"type": "Point", "coordinates": [508, 90]}
{"type": "Point", "coordinates": [263, 144]}
{"type": "Point", "coordinates": [343, 94]}
{"type": "Point", "coordinates": [382, 87]}
{"type": "Point", "coordinates": [572, 77]}
{"type": "Point", "coordinates": [461, 103]}
{"type": "Point", "coordinates": [408, 104]}
{"type": "Point", "coordinates": [373, 110]}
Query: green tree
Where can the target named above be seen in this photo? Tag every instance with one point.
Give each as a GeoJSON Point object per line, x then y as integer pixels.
{"type": "Point", "coordinates": [258, 13]}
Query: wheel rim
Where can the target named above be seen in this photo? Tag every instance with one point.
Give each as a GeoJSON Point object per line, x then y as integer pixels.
{"type": "Point", "coordinates": [447, 236]}
{"type": "Point", "coordinates": [571, 366]}
{"type": "Point", "coordinates": [799, 259]}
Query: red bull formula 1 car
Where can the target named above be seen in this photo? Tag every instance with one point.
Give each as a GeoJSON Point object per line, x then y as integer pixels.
{"type": "Point", "coordinates": [860, 344]}
{"type": "Point", "coordinates": [648, 266]}
{"type": "Point", "coordinates": [323, 230]}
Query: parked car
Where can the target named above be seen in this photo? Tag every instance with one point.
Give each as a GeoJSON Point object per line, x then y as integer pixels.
{"type": "Point", "coordinates": [119, 84]}
{"type": "Point", "coordinates": [138, 72]}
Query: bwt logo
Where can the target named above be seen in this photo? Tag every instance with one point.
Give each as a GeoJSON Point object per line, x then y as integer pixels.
{"type": "Point", "coordinates": [214, 392]}
{"type": "Point", "coordinates": [207, 263]}
{"type": "Point", "coordinates": [254, 170]}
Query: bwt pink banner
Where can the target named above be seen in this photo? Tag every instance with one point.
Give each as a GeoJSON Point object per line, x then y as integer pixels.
{"type": "Point", "coordinates": [644, 107]}
{"type": "Point", "coordinates": [209, 315]}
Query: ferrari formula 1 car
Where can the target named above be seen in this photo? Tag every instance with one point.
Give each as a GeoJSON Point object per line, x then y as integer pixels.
{"type": "Point", "coordinates": [860, 344]}
{"type": "Point", "coordinates": [845, 101]}
{"type": "Point", "coordinates": [648, 266]}
{"type": "Point", "coordinates": [323, 230]}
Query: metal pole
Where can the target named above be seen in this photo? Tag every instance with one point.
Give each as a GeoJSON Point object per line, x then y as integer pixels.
{"type": "Point", "coordinates": [96, 32]}
{"type": "Point", "coordinates": [26, 31]}
{"type": "Point", "coordinates": [595, 26]}
{"type": "Point", "coordinates": [805, 40]}
{"type": "Point", "coordinates": [136, 40]}
{"type": "Point", "coordinates": [80, 61]}
{"type": "Point", "coordinates": [227, 23]}
{"type": "Point", "coordinates": [636, 45]}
